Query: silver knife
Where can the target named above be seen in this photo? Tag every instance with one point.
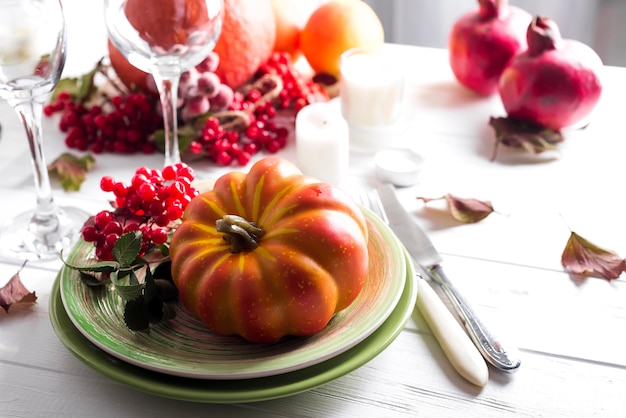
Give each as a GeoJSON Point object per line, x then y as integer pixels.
{"type": "Point", "coordinates": [456, 345]}
{"type": "Point", "coordinates": [420, 247]}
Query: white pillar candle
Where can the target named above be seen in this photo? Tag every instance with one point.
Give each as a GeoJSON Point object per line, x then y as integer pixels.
{"type": "Point", "coordinates": [322, 142]}
{"type": "Point", "coordinates": [371, 87]}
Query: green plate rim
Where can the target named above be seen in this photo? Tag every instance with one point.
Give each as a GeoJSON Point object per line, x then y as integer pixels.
{"type": "Point", "coordinates": [233, 391]}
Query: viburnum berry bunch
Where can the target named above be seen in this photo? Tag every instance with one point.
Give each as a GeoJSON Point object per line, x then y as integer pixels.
{"type": "Point", "coordinates": [249, 125]}
{"type": "Point", "coordinates": [122, 125]}
{"type": "Point", "coordinates": [225, 126]}
{"type": "Point", "coordinates": [152, 204]}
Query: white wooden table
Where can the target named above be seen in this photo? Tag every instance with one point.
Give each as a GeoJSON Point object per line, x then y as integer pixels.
{"type": "Point", "coordinates": [570, 331]}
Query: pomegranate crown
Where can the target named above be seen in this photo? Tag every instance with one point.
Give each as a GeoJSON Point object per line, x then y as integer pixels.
{"type": "Point", "coordinates": [492, 9]}
{"type": "Point", "coordinates": [543, 34]}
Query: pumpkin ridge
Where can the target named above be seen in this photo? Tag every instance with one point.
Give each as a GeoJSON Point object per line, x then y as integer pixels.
{"type": "Point", "coordinates": [236, 199]}
{"type": "Point", "coordinates": [211, 204]}
{"type": "Point", "coordinates": [278, 215]}
{"type": "Point", "coordinates": [271, 204]}
{"type": "Point", "coordinates": [256, 200]}
{"type": "Point", "coordinates": [281, 232]}
{"type": "Point", "coordinates": [211, 248]}
{"type": "Point", "coordinates": [262, 252]}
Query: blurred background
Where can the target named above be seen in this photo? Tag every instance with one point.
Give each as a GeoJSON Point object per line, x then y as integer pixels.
{"type": "Point", "coordinates": [598, 23]}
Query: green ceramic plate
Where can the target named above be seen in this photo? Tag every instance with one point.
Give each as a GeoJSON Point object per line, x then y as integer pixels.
{"type": "Point", "coordinates": [185, 347]}
{"type": "Point", "coordinates": [233, 391]}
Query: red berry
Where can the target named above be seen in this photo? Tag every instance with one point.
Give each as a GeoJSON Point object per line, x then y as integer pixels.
{"type": "Point", "coordinates": [159, 236]}
{"type": "Point", "coordinates": [103, 218]}
{"type": "Point", "coordinates": [169, 173]}
{"type": "Point", "coordinates": [107, 184]}
{"type": "Point", "coordinates": [174, 212]}
{"type": "Point", "coordinates": [110, 240]}
{"type": "Point", "coordinates": [147, 192]}
{"type": "Point", "coordinates": [113, 227]}
{"type": "Point", "coordinates": [90, 233]}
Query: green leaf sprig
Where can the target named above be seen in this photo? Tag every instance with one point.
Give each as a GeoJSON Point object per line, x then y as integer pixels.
{"type": "Point", "coordinates": [146, 301]}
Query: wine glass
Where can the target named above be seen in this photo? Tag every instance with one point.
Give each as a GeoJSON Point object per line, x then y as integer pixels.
{"type": "Point", "coordinates": [165, 39]}
{"type": "Point", "coordinates": [32, 56]}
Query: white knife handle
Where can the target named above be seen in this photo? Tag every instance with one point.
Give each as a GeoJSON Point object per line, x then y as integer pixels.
{"type": "Point", "coordinates": [455, 343]}
{"type": "Point", "coordinates": [492, 348]}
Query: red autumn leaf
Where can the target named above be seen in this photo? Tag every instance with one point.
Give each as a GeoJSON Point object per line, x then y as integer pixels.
{"type": "Point", "coordinates": [524, 135]}
{"type": "Point", "coordinates": [584, 257]}
{"type": "Point", "coordinates": [465, 210]}
{"type": "Point", "coordinates": [15, 292]}
{"type": "Point", "coordinates": [71, 170]}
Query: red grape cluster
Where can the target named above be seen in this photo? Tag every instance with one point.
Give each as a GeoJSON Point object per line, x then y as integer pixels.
{"type": "Point", "coordinates": [260, 132]}
{"type": "Point", "coordinates": [201, 90]}
{"type": "Point", "coordinates": [151, 204]}
{"type": "Point", "coordinates": [123, 129]}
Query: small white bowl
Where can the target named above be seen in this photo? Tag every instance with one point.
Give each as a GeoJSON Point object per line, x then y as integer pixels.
{"type": "Point", "coordinates": [398, 166]}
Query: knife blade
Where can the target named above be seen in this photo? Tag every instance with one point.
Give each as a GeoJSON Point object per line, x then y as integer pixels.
{"type": "Point", "coordinates": [426, 255]}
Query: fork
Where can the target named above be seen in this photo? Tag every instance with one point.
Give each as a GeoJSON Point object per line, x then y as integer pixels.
{"type": "Point", "coordinates": [455, 343]}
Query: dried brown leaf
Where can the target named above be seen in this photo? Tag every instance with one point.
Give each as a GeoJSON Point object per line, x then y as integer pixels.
{"type": "Point", "coordinates": [583, 257]}
{"type": "Point", "coordinates": [465, 210]}
{"type": "Point", "coordinates": [468, 210]}
{"type": "Point", "coordinates": [15, 292]}
{"type": "Point", "coordinates": [524, 135]}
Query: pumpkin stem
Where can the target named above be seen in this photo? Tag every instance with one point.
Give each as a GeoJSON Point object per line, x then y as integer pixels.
{"type": "Point", "coordinates": [240, 233]}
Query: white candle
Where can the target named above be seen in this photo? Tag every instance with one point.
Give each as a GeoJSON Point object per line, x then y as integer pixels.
{"type": "Point", "coordinates": [322, 142]}
{"type": "Point", "coordinates": [371, 87]}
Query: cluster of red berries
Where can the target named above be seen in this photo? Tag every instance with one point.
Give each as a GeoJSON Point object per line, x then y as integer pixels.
{"type": "Point", "coordinates": [124, 129]}
{"type": "Point", "coordinates": [126, 123]}
{"type": "Point", "coordinates": [227, 146]}
{"type": "Point", "coordinates": [261, 133]}
{"type": "Point", "coordinates": [297, 91]}
{"type": "Point", "coordinates": [152, 202]}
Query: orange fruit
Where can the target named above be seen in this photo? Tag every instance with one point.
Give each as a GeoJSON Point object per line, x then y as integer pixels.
{"type": "Point", "coordinates": [131, 76]}
{"type": "Point", "coordinates": [335, 27]}
{"type": "Point", "coordinates": [169, 23]}
{"type": "Point", "coordinates": [246, 41]}
{"type": "Point", "coordinates": [289, 24]}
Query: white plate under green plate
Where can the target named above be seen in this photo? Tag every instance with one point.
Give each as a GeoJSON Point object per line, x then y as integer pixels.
{"type": "Point", "coordinates": [185, 347]}
{"type": "Point", "coordinates": [232, 391]}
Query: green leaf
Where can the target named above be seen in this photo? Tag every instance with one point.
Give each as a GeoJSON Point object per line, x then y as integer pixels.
{"type": "Point", "coordinates": [163, 271]}
{"type": "Point", "coordinates": [92, 280]}
{"type": "Point", "coordinates": [79, 88]}
{"type": "Point", "coordinates": [164, 249]}
{"type": "Point", "coordinates": [167, 291]}
{"type": "Point", "coordinates": [126, 291]}
{"type": "Point", "coordinates": [155, 310]}
{"type": "Point", "coordinates": [71, 170]}
{"type": "Point", "coordinates": [127, 247]}
{"type": "Point", "coordinates": [150, 290]}
{"type": "Point", "coordinates": [99, 267]}
{"type": "Point", "coordinates": [132, 278]}
{"type": "Point", "coordinates": [186, 135]}
{"type": "Point", "coordinates": [136, 315]}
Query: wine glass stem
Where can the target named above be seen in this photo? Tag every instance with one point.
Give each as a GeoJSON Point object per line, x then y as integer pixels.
{"type": "Point", "coordinates": [168, 92]}
{"type": "Point", "coordinates": [30, 112]}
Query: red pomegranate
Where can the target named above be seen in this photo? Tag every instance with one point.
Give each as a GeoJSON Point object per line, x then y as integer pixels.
{"type": "Point", "coordinates": [555, 83]}
{"type": "Point", "coordinates": [483, 41]}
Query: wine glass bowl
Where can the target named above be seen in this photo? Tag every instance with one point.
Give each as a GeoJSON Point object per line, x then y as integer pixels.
{"type": "Point", "coordinates": [32, 56]}
{"type": "Point", "coordinates": [165, 40]}
{"type": "Point", "coordinates": [32, 49]}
